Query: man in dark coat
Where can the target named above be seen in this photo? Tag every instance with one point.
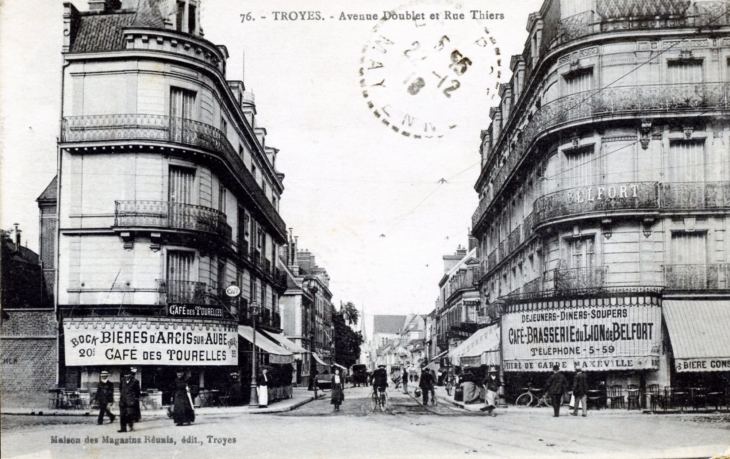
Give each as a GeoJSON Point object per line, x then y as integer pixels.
{"type": "Point", "coordinates": [556, 386]}
{"type": "Point", "coordinates": [137, 411]}
{"type": "Point", "coordinates": [105, 397]}
{"type": "Point", "coordinates": [426, 384]}
{"type": "Point", "coordinates": [128, 399]}
{"type": "Point", "coordinates": [580, 391]}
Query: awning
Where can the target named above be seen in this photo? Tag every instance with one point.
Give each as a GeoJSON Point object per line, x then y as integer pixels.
{"type": "Point", "coordinates": [318, 359]}
{"type": "Point", "coordinates": [340, 366]}
{"type": "Point", "coordinates": [484, 340]}
{"type": "Point", "coordinates": [439, 356]}
{"type": "Point", "coordinates": [277, 354]}
{"type": "Point", "coordinates": [698, 330]}
{"type": "Point", "coordinates": [287, 344]}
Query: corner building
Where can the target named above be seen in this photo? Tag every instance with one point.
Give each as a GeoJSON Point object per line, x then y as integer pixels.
{"type": "Point", "coordinates": [167, 194]}
{"type": "Point", "coordinates": [605, 196]}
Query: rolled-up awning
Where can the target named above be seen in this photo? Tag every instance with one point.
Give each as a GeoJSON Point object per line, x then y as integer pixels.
{"type": "Point", "coordinates": [277, 354]}
{"type": "Point", "coordinates": [698, 331]}
{"type": "Point", "coordinates": [340, 366]}
{"type": "Point", "coordinates": [287, 344]}
{"type": "Point", "coordinates": [318, 359]}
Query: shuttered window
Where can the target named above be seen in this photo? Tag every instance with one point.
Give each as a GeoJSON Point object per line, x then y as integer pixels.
{"type": "Point", "coordinates": [222, 198]}
{"type": "Point", "coordinates": [689, 248]}
{"type": "Point", "coordinates": [182, 103]}
{"type": "Point", "coordinates": [686, 161]}
{"type": "Point", "coordinates": [580, 167]}
{"type": "Point", "coordinates": [181, 185]}
{"type": "Point", "coordinates": [684, 71]}
{"type": "Point", "coordinates": [180, 266]}
{"type": "Point", "coordinates": [582, 252]}
{"type": "Point", "coordinates": [579, 81]}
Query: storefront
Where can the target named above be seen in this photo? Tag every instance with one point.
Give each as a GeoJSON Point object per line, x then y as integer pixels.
{"type": "Point", "coordinates": [699, 333]}
{"type": "Point", "coordinates": [616, 340]}
{"type": "Point", "coordinates": [207, 350]}
{"type": "Point", "coordinates": [278, 360]}
{"type": "Point", "coordinates": [481, 348]}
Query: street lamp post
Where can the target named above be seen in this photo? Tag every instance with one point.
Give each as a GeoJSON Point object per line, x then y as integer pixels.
{"type": "Point", "coordinates": [253, 309]}
{"type": "Point", "coordinates": [310, 284]}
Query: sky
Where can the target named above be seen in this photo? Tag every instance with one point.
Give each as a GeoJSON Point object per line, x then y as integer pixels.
{"type": "Point", "coordinates": [367, 201]}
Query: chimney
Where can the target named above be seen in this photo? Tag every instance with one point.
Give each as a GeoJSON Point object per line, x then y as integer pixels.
{"type": "Point", "coordinates": [17, 237]}
{"type": "Point", "coordinates": [104, 5]}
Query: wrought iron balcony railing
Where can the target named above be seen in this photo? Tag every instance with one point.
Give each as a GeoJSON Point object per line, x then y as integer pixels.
{"type": "Point", "coordinates": [167, 129]}
{"type": "Point", "coordinates": [492, 259]}
{"type": "Point", "coordinates": [695, 195]}
{"type": "Point", "coordinates": [570, 279]}
{"type": "Point", "coordinates": [624, 101]}
{"type": "Point", "coordinates": [171, 215]}
{"type": "Point", "coordinates": [697, 277]}
{"type": "Point", "coordinates": [514, 239]}
{"type": "Point", "coordinates": [184, 292]}
{"type": "Point", "coordinates": [596, 199]}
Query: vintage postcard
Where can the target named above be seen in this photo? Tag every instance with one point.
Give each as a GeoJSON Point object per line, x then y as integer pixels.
{"type": "Point", "coordinates": [393, 228]}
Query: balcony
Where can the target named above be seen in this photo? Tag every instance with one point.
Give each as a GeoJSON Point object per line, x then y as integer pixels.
{"type": "Point", "coordinates": [267, 266]}
{"type": "Point", "coordinates": [620, 101]}
{"type": "Point", "coordinates": [576, 279]}
{"type": "Point", "coordinates": [146, 128]}
{"type": "Point", "coordinates": [492, 260]}
{"type": "Point", "coordinates": [171, 215]}
{"type": "Point", "coordinates": [184, 292]}
{"type": "Point", "coordinates": [697, 277]}
{"type": "Point", "coordinates": [603, 199]}
{"type": "Point", "coordinates": [689, 196]}
{"type": "Point", "coordinates": [514, 239]}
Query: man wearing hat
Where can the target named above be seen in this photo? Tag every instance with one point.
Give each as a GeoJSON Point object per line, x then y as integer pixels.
{"type": "Point", "coordinates": [128, 399]}
{"type": "Point", "coordinates": [491, 384]}
{"type": "Point", "coordinates": [580, 390]}
{"type": "Point", "coordinates": [104, 397]}
{"type": "Point", "coordinates": [380, 378]}
{"type": "Point", "coordinates": [556, 386]}
{"type": "Point", "coordinates": [137, 412]}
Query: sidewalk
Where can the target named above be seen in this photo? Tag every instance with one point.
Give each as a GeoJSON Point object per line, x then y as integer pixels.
{"type": "Point", "coordinates": [443, 397]}
{"type": "Point", "coordinates": [300, 396]}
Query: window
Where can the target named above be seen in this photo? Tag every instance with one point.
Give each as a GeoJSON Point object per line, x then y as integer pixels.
{"type": "Point", "coordinates": [581, 252]}
{"type": "Point", "coordinates": [192, 22]}
{"type": "Point", "coordinates": [182, 106]}
{"type": "Point", "coordinates": [686, 160]}
{"type": "Point", "coordinates": [241, 152]}
{"type": "Point", "coordinates": [224, 126]}
{"type": "Point", "coordinates": [181, 185]}
{"type": "Point", "coordinates": [578, 81]}
{"type": "Point", "coordinates": [221, 279]}
{"type": "Point", "coordinates": [684, 71]}
{"type": "Point", "coordinates": [222, 198]}
{"type": "Point", "coordinates": [179, 267]}
{"type": "Point", "coordinates": [580, 167]}
{"type": "Point", "coordinates": [263, 186]}
{"type": "Point", "coordinates": [186, 17]}
{"type": "Point", "coordinates": [242, 230]}
{"type": "Point", "coordinates": [689, 248]}
{"type": "Point", "coordinates": [253, 171]}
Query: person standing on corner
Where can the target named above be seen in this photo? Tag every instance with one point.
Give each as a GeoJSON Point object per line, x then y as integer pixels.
{"type": "Point", "coordinates": [182, 403]}
{"type": "Point", "coordinates": [425, 383]}
{"type": "Point", "coordinates": [491, 384]}
{"type": "Point", "coordinates": [580, 391]}
{"type": "Point", "coordinates": [404, 377]}
{"type": "Point", "coordinates": [337, 390]}
{"type": "Point", "coordinates": [128, 399]}
{"type": "Point", "coordinates": [137, 412]}
{"type": "Point", "coordinates": [105, 397]}
{"type": "Point", "coordinates": [263, 388]}
{"type": "Point", "coordinates": [556, 386]}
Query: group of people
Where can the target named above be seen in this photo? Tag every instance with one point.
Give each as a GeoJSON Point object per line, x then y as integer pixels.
{"type": "Point", "coordinates": [557, 387]}
{"type": "Point", "coordinates": [473, 388]}
{"type": "Point", "coordinates": [129, 393]}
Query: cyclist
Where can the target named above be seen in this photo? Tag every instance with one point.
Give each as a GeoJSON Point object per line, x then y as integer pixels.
{"type": "Point", "coordinates": [379, 380]}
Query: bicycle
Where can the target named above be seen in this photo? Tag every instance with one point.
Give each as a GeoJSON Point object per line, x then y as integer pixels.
{"type": "Point", "coordinates": [379, 399]}
{"type": "Point", "coordinates": [531, 397]}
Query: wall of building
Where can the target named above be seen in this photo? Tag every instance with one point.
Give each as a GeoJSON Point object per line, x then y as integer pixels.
{"type": "Point", "coordinates": [28, 351]}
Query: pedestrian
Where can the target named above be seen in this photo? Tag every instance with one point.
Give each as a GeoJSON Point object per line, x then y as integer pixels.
{"type": "Point", "coordinates": [128, 399]}
{"type": "Point", "coordinates": [338, 394]}
{"type": "Point", "coordinates": [580, 391]}
{"type": "Point", "coordinates": [105, 397]}
{"type": "Point", "coordinates": [556, 386]}
{"type": "Point", "coordinates": [425, 382]}
{"type": "Point", "coordinates": [405, 378]}
{"type": "Point", "coordinates": [263, 388]}
{"type": "Point", "coordinates": [491, 384]}
{"type": "Point", "coordinates": [183, 412]}
{"type": "Point", "coordinates": [434, 379]}
{"type": "Point", "coordinates": [137, 411]}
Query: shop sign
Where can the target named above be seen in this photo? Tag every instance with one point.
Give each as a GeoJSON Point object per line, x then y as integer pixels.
{"type": "Point", "coordinates": [149, 341]}
{"type": "Point", "coordinates": [600, 338]}
{"type": "Point", "coordinates": [187, 310]}
{"type": "Point", "coordinates": [702, 364]}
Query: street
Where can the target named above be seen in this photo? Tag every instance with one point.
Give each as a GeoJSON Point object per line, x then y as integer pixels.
{"type": "Point", "coordinates": [405, 430]}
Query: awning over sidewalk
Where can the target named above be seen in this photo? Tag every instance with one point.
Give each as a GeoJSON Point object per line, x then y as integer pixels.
{"type": "Point", "coordinates": [698, 330]}
{"type": "Point", "coordinates": [339, 366]}
{"type": "Point", "coordinates": [439, 356]}
{"type": "Point", "coordinates": [485, 340]}
{"type": "Point", "coordinates": [287, 344]}
{"type": "Point", "coordinates": [277, 354]}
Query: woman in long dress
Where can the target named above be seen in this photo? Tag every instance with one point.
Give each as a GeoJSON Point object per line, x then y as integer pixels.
{"type": "Point", "coordinates": [263, 388]}
{"type": "Point", "coordinates": [182, 412]}
{"type": "Point", "coordinates": [337, 390]}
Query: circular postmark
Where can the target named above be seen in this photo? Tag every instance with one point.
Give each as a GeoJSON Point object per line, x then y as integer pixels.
{"type": "Point", "coordinates": [427, 67]}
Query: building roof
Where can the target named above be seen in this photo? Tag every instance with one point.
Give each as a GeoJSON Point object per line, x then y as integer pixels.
{"type": "Point", "coordinates": [50, 194]}
{"type": "Point", "coordinates": [388, 323]}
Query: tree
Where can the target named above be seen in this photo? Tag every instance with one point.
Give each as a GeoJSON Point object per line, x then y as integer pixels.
{"type": "Point", "coordinates": [350, 313]}
{"type": "Point", "coordinates": [347, 340]}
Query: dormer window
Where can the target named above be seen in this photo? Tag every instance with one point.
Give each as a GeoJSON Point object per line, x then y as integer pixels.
{"type": "Point", "coordinates": [187, 17]}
